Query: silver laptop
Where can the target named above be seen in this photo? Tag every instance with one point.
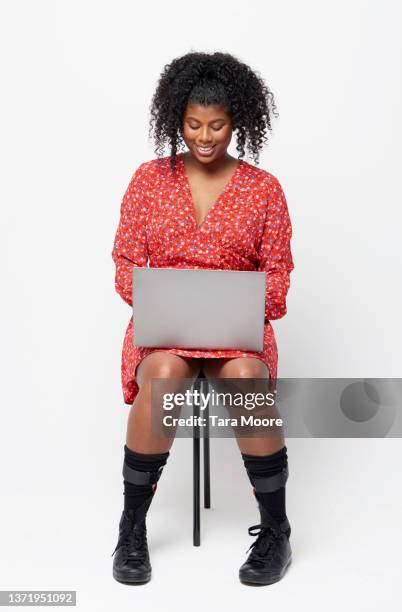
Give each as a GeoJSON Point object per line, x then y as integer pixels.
{"type": "Point", "coordinates": [198, 309]}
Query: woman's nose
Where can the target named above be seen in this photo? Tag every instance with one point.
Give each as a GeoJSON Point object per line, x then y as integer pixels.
{"type": "Point", "coordinates": [205, 136]}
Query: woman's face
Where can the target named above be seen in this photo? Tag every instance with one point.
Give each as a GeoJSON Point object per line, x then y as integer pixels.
{"type": "Point", "coordinates": [207, 131]}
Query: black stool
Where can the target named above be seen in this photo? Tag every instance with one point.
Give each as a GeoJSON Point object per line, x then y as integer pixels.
{"type": "Point", "coordinates": [198, 384]}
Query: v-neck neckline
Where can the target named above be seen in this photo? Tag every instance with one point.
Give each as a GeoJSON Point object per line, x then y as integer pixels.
{"type": "Point", "coordinates": [217, 200]}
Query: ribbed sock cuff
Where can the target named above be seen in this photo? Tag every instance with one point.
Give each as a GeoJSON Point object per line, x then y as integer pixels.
{"type": "Point", "coordinates": [144, 462]}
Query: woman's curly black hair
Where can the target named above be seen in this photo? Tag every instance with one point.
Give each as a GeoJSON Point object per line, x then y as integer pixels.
{"type": "Point", "coordinates": [211, 78]}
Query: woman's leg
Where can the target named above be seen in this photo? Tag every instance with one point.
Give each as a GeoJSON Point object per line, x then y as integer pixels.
{"type": "Point", "coordinates": [265, 460]}
{"type": "Point", "coordinates": [145, 455]}
{"type": "Point", "coordinates": [158, 364]}
{"type": "Point", "coordinates": [245, 367]}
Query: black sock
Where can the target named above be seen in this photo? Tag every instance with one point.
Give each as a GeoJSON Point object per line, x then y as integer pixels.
{"type": "Point", "coordinates": [135, 495]}
{"type": "Point", "coordinates": [269, 465]}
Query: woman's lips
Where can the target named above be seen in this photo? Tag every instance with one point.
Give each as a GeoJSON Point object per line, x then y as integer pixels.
{"type": "Point", "coordinates": [205, 151]}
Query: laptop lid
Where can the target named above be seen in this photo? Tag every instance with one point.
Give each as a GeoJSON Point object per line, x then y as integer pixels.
{"type": "Point", "coordinates": [198, 308]}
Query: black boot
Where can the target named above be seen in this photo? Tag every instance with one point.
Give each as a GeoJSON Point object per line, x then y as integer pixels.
{"type": "Point", "coordinates": [271, 553]}
{"type": "Point", "coordinates": [131, 564]}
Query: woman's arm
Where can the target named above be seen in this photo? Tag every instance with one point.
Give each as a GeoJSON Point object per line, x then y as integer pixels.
{"type": "Point", "coordinates": [130, 245]}
{"type": "Point", "coordinates": [275, 257]}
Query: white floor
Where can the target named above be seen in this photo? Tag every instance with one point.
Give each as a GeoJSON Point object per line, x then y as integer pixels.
{"type": "Point", "coordinates": [343, 502]}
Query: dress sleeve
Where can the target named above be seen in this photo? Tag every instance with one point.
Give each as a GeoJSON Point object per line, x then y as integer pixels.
{"type": "Point", "coordinates": [130, 243]}
{"type": "Point", "coordinates": [275, 257]}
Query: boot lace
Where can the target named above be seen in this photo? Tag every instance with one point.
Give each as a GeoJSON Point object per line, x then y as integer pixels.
{"type": "Point", "coordinates": [264, 546]}
{"type": "Point", "coordinates": [132, 537]}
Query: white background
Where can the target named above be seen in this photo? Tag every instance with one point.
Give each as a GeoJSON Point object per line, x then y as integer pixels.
{"type": "Point", "coordinates": [77, 81]}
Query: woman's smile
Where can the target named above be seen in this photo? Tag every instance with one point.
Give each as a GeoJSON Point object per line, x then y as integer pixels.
{"type": "Point", "coordinates": [205, 151]}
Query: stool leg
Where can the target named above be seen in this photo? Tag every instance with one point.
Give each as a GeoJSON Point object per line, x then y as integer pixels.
{"type": "Point", "coordinates": [207, 474]}
{"type": "Point", "coordinates": [196, 479]}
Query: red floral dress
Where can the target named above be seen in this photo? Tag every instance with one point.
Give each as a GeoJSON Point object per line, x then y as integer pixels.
{"type": "Point", "coordinates": [247, 228]}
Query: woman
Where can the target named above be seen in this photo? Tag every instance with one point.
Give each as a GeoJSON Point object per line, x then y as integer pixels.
{"type": "Point", "coordinates": [203, 208]}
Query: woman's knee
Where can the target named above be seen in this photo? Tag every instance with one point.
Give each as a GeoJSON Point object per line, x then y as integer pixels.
{"type": "Point", "coordinates": [246, 367]}
{"type": "Point", "coordinates": [161, 364]}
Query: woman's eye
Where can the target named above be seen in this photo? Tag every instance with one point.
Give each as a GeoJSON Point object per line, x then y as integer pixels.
{"type": "Point", "coordinates": [215, 129]}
